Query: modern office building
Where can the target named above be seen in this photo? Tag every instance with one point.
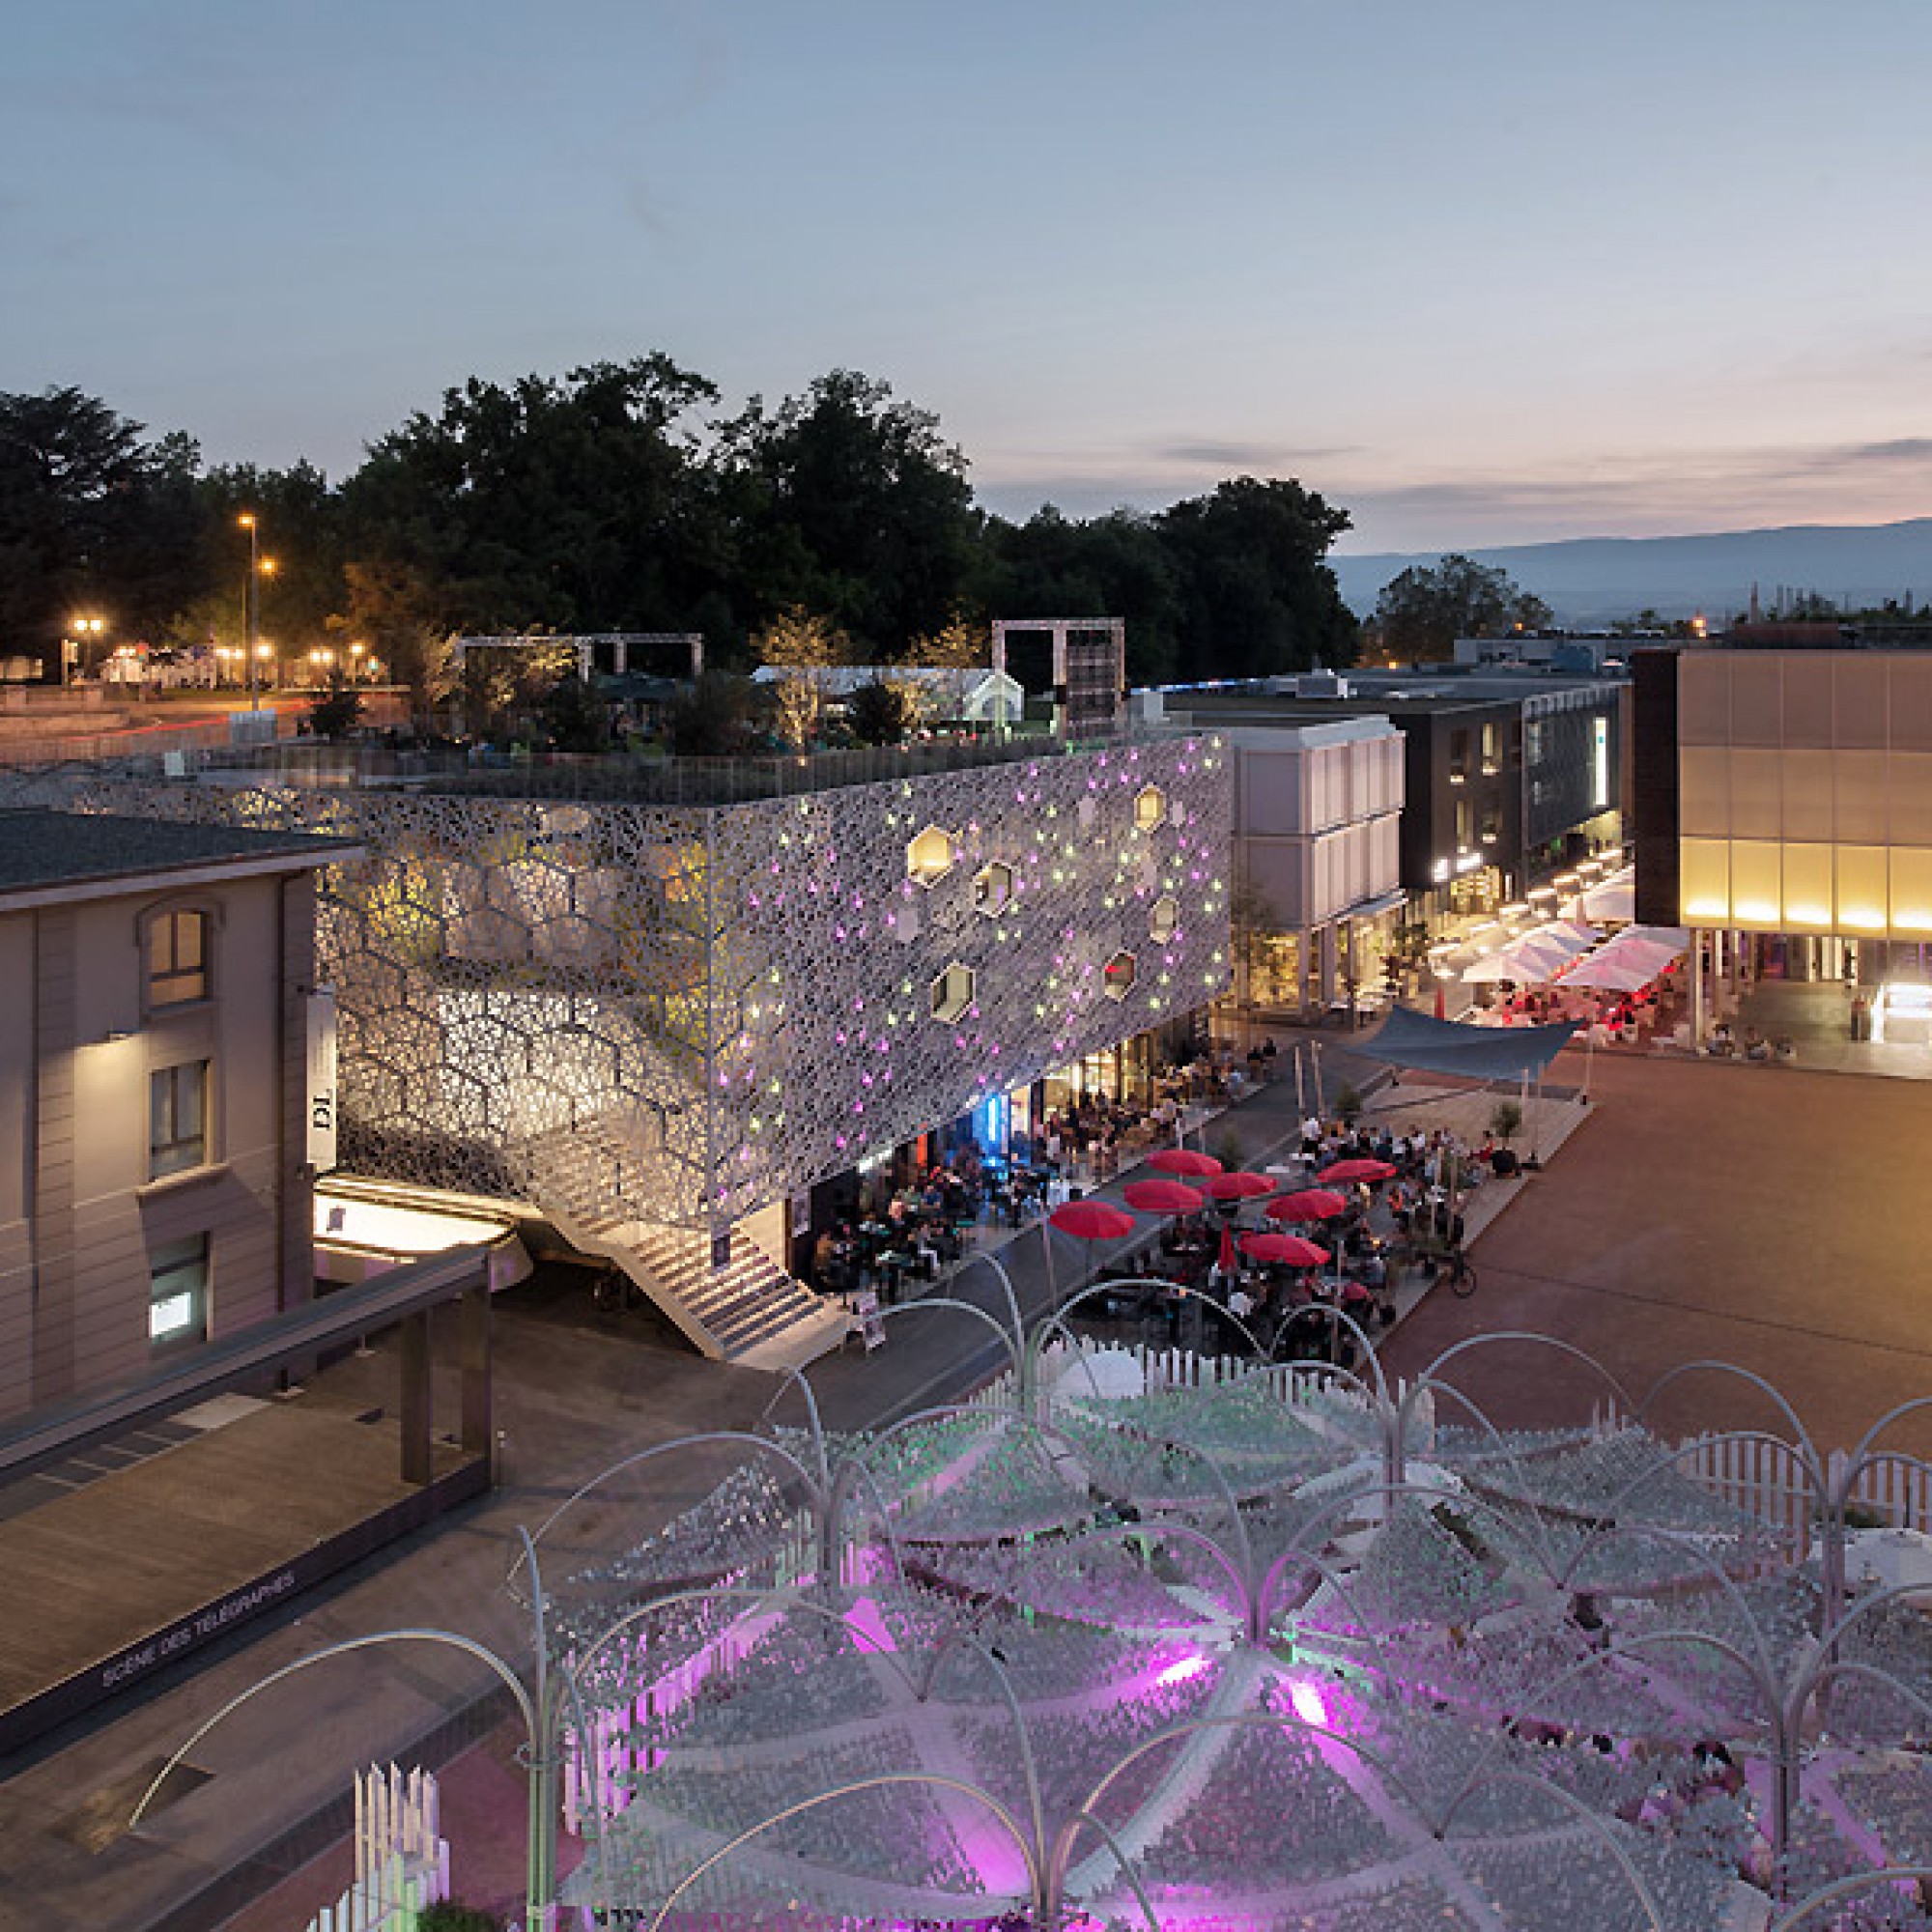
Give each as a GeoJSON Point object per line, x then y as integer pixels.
{"type": "Point", "coordinates": [661, 1025]}
{"type": "Point", "coordinates": [1507, 775]}
{"type": "Point", "coordinates": [154, 1187]}
{"type": "Point", "coordinates": [1787, 808]}
{"type": "Point", "coordinates": [1317, 859]}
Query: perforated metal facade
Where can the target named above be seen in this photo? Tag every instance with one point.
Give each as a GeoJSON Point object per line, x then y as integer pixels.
{"type": "Point", "coordinates": [689, 1014]}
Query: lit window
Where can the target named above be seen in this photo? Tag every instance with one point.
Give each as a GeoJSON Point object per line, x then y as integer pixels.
{"type": "Point", "coordinates": [1163, 919]}
{"type": "Point", "coordinates": [953, 994]}
{"type": "Point", "coordinates": [176, 958]}
{"type": "Point", "coordinates": [1150, 808]}
{"type": "Point", "coordinates": [930, 856]}
{"type": "Point", "coordinates": [993, 889]}
{"type": "Point", "coordinates": [178, 1292]}
{"type": "Point", "coordinates": [178, 1119]}
{"type": "Point", "coordinates": [1118, 977]}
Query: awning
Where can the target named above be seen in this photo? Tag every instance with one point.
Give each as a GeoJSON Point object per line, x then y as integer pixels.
{"type": "Point", "coordinates": [1412, 1039]}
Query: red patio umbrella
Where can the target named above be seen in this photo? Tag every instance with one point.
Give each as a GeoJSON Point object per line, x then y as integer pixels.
{"type": "Point", "coordinates": [1342, 1172]}
{"type": "Point", "coordinates": [1290, 1249]}
{"type": "Point", "coordinates": [1161, 1197]}
{"type": "Point", "coordinates": [1184, 1160]}
{"type": "Point", "coordinates": [1225, 1261]}
{"type": "Point", "coordinates": [1238, 1186]}
{"type": "Point", "coordinates": [1090, 1221]}
{"type": "Point", "coordinates": [1311, 1204]}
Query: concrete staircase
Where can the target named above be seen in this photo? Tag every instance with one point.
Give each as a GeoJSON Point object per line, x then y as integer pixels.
{"type": "Point", "coordinates": [745, 1309]}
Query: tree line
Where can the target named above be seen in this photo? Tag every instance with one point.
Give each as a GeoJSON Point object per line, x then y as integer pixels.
{"type": "Point", "coordinates": [623, 497]}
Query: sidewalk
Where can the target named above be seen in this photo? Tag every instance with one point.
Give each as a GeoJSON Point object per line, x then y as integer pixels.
{"type": "Point", "coordinates": [571, 1401]}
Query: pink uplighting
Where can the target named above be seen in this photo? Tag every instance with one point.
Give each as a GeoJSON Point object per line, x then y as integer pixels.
{"type": "Point", "coordinates": [1308, 1702]}
{"type": "Point", "coordinates": [1181, 1672]}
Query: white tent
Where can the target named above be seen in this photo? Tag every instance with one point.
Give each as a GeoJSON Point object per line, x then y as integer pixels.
{"type": "Point", "coordinates": [1614, 901]}
{"type": "Point", "coordinates": [1608, 973]}
{"type": "Point", "coordinates": [1633, 958]}
{"type": "Point", "coordinates": [1534, 958]}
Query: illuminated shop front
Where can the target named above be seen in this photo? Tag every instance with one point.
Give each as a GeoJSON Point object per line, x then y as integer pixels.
{"type": "Point", "coordinates": [1789, 813]}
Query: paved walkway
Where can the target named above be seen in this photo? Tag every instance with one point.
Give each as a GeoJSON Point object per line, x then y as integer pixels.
{"type": "Point", "coordinates": [572, 1397]}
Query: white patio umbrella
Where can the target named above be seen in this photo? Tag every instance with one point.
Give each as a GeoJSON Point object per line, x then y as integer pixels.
{"type": "Point", "coordinates": [1535, 959]}
{"type": "Point", "coordinates": [1613, 900]}
{"type": "Point", "coordinates": [1610, 972]}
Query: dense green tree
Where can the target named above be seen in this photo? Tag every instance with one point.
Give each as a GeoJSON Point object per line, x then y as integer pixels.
{"type": "Point", "coordinates": [1117, 565]}
{"type": "Point", "coordinates": [580, 505]}
{"type": "Point", "coordinates": [1422, 612]}
{"type": "Point", "coordinates": [575, 717]}
{"type": "Point", "coordinates": [298, 529]}
{"type": "Point", "coordinates": [849, 502]}
{"type": "Point", "coordinates": [883, 712]}
{"type": "Point", "coordinates": [91, 517]}
{"type": "Point", "coordinates": [713, 718]}
{"type": "Point", "coordinates": [1259, 595]}
{"type": "Point", "coordinates": [335, 712]}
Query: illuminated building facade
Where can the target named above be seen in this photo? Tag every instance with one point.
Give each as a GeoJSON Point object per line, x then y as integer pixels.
{"type": "Point", "coordinates": [1787, 791]}
{"type": "Point", "coordinates": [1787, 812]}
{"type": "Point", "coordinates": [153, 1194]}
{"type": "Point", "coordinates": [639, 1016]}
{"type": "Point", "coordinates": [1509, 776]}
{"type": "Point", "coordinates": [1318, 815]}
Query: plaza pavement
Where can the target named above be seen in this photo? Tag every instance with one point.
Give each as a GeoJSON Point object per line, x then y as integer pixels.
{"type": "Point", "coordinates": [1760, 1212]}
{"type": "Point", "coordinates": [1768, 1215]}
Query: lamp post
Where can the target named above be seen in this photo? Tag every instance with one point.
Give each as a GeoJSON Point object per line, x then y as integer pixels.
{"type": "Point", "coordinates": [250, 606]}
{"type": "Point", "coordinates": [75, 648]}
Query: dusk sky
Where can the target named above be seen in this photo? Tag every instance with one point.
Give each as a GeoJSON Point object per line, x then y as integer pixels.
{"type": "Point", "coordinates": [1481, 273]}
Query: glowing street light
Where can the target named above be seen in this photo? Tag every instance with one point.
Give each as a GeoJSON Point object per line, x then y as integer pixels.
{"type": "Point", "coordinates": [259, 567]}
{"type": "Point", "coordinates": [83, 632]}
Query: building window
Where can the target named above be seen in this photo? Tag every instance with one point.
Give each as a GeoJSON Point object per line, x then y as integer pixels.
{"type": "Point", "coordinates": [953, 994]}
{"type": "Point", "coordinates": [1458, 755]}
{"type": "Point", "coordinates": [178, 1292]}
{"type": "Point", "coordinates": [176, 958]}
{"type": "Point", "coordinates": [993, 889]}
{"type": "Point", "coordinates": [1493, 754]}
{"type": "Point", "coordinates": [178, 1119]}
{"type": "Point", "coordinates": [1117, 981]}
{"type": "Point", "coordinates": [1150, 808]}
{"type": "Point", "coordinates": [930, 856]}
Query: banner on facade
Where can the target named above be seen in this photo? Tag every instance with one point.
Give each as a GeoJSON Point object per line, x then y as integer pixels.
{"type": "Point", "coordinates": [320, 1149]}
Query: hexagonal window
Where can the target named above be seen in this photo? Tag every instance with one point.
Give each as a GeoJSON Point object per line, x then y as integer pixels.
{"type": "Point", "coordinates": [953, 994]}
{"type": "Point", "coordinates": [1118, 975]}
{"type": "Point", "coordinates": [1163, 919]}
{"type": "Point", "coordinates": [930, 856]}
{"type": "Point", "coordinates": [1150, 808]}
{"type": "Point", "coordinates": [993, 889]}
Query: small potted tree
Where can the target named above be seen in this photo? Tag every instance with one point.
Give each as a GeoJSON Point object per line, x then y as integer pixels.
{"type": "Point", "coordinates": [1505, 1123]}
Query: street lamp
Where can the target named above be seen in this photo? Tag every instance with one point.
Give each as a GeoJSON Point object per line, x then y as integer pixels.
{"type": "Point", "coordinates": [85, 630]}
{"type": "Point", "coordinates": [247, 523]}
{"type": "Point", "coordinates": [259, 567]}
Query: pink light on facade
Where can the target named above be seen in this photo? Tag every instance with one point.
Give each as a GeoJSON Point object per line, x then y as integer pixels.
{"type": "Point", "coordinates": [1308, 1702]}
{"type": "Point", "coordinates": [1179, 1672]}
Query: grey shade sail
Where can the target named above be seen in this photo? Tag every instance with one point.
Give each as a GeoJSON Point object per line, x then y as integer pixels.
{"type": "Point", "coordinates": [1411, 1039]}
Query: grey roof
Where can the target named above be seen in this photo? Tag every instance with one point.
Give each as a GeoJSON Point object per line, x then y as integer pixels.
{"type": "Point", "coordinates": [41, 848]}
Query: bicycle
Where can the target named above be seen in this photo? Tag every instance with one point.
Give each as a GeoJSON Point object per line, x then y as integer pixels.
{"type": "Point", "coordinates": [1443, 1263]}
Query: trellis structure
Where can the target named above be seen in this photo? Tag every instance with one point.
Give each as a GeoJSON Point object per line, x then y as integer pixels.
{"type": "Point", "coordinates": [1276, 1649]}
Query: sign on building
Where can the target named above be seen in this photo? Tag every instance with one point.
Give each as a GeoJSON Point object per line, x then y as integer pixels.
{"type": "Point", "coordinates": [319, 1151]}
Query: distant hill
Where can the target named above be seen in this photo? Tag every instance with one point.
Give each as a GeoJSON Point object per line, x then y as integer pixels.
{"type": "Point", "coordinates": [1596, 580]}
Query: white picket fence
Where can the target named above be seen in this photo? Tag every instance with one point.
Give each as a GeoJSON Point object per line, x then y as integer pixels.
{"type": "Point", "coordinates": [1767, 1479]}
{"type": "Point", "coordinates": [402, 1860]}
